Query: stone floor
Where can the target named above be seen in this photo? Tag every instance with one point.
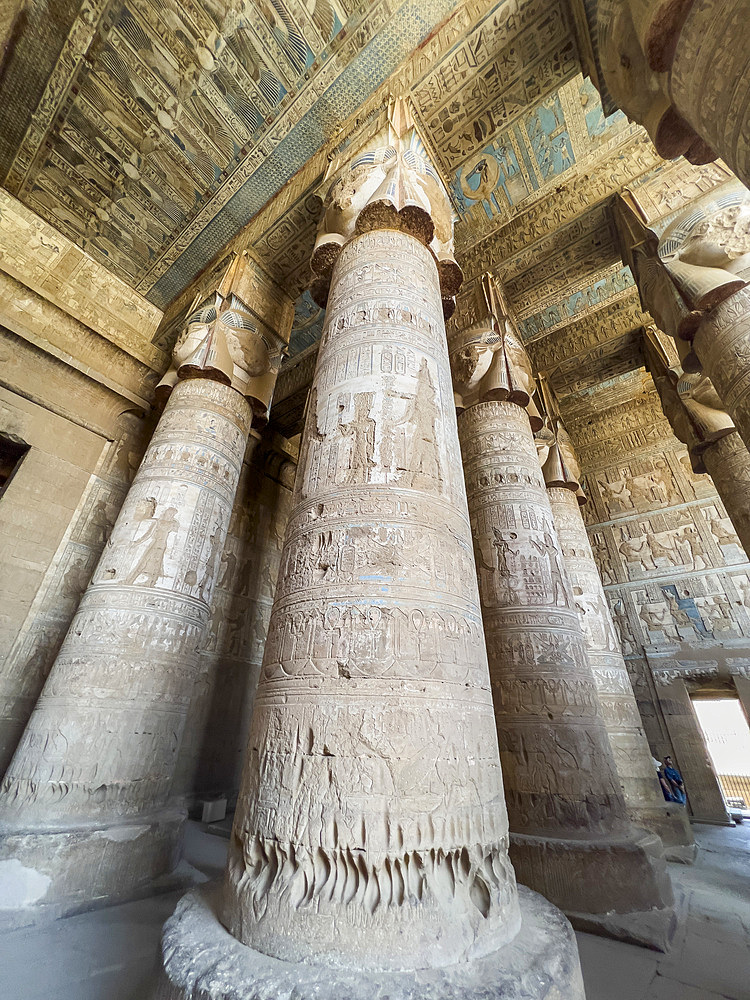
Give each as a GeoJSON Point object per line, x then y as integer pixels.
{"type": "Point", "coordinates": [111, 954]}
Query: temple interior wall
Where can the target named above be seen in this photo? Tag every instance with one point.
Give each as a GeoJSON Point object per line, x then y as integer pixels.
{"type": "Point", "coordinates": [677, 580]}
{"type": "Point", "coordinates": [55, 517]}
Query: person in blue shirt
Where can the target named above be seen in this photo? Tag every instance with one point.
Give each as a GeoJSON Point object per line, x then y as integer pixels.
{"type": "Point", "coordinates": [674, 779]}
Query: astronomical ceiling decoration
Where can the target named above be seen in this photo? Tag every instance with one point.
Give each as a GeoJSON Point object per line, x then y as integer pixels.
{"type": "Point", "coordinates": [154, 134]}
{"type": "Point", "coordinates": [163, 127]}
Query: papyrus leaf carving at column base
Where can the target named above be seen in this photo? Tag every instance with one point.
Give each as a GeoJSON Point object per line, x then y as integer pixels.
{"type": "Point", "coordinates": [389, 183]}
{"type": "Point", "coordinates": [488, 360]}
{"type": "Point", "coordinates": [224, 341]}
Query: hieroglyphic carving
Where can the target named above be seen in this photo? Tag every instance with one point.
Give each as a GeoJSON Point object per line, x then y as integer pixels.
{"type": "Point", "coordinates": [147, 604]}
{"type": "Point", "coordinates": [231, 651]}
{"type": "Point", "coordinates": [531, 625]}
{"type": "Point", "coordinates": [667, 66]}
{"type": "Point", "coordinates": [37, 254]}
{"type": "Point", "coordinates": [671, 563]}
{"type": "Point", "coordinates": [142, 619]}
{"type": "Point", "coordinates": [41, 635]}
{"type": "Point", "coordinates": [372, 615]}
{"type": "Point", "coordinates": [635, 770]}
{"type": "Point", "coordinates": [549, 718]}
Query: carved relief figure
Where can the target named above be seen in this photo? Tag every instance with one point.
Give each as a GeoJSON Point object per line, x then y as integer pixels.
{"type": "Point", "coordinates": [158, 532]}
{"type": "Point", "coordinates": [361, 433]}
{"type": "Point", "coordinates": [424, 460]}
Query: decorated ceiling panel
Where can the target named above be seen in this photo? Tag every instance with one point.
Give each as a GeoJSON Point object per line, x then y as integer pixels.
{"type": "Point", "coordinates": [155, 134]}
{"type": "Point", "coordinates": [166, 126]}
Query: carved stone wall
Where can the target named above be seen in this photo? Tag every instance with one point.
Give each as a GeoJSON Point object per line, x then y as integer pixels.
{"type": "Point", "coordinates": [100, 748]}
{"type": "Point", "coordinates": [676, 578]}
{"type": "Point", "coordinates": [58, 510]}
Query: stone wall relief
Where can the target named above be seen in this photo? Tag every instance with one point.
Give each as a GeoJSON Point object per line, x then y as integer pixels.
{"type": "Point", "coordinates": [640, 486]}
{"type": "Point", "coordinates": [394, 436]}
{"type": "Point", "coordinates": [41, 635]}
{"type": "Point", "coordinates": [723, 532]}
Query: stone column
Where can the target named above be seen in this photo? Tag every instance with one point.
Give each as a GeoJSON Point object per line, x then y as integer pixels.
{"type": "Point", "coordinates": [633, 758]}
{"type": "Point", "coordinates": [677, 69]}
{"type": "Point", "coordinates": [694, 282]}
{"type": "Point", "coordinates": [699, 420]}
{"type": "Point", "coordinates": [371, 834]}
{"type": "Point", "coordinates": [85, 810]}
{"type": "Point", "coordinates": [702, 787]}
{"type": "Point", "coordinates": [571, 839]}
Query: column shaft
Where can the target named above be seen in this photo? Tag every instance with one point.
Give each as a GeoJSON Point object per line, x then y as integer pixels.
{"type": "Point", "coordinates": [570, 835]}
{"type": "Point", "coordinates": [722, 344]}
{"type": "Point", "coordinates": [371, 829]}
{"type": "Point", "coordinates": [710, 79]}
{"type": "Point", "coordinates": [633, 758]}
{"type": "Point", "coordinates": [85, 801]}
{"type": "Point", "coordinates": [727, 462]}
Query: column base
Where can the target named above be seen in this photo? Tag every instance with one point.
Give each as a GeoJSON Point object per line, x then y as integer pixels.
{"type": "Point", "coordinates": [612, 886]}
{"type": "Point", "coordinates": [672, 826]}
{"type": "Point", "coordinates": [653, 929]}
{"type": "Point", "coordinates": [202, 961]}
{"type": "Point", "coordinates": [50, 873]}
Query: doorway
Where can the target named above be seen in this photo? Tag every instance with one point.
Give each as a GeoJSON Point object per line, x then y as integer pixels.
{"type": "Point", "coordinates": [727, 736]}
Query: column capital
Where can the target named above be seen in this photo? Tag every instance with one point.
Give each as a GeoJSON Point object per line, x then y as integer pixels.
{"type": "Point", "coordinates": [636, 43]}
{"type": "Point", "coordinates": [689, 401]}
{"type": "Point", "coordinates": [387, 182]}
{"type": "Point", "coordinates": [488, 360]}
{"type": "Point", "coordinates": [701, 259]}
{"type": "Point", "coordinates": [224, 340]}
{"type": "Point", "coordinates": [557, 456]}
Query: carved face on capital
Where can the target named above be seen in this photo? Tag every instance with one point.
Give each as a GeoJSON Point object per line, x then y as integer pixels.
{"type": "Point", "coordinates": [720, 240]}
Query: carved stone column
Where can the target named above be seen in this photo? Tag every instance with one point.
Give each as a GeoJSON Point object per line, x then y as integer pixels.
{"type": "Point", "coordinates": [633, 758]}
{"type": "Point", "coordinates": [677, 69]}
{"type": "Point", "coordinates": [571, 838]}
{"type": "Point", "coordinates": [371, 834]}
{"type": "Point", "coordinates": [699, 420]}
{"type": "Point", "coordinates": [694, 282]}
{"type": "Point", "coordinates": [85, 809]}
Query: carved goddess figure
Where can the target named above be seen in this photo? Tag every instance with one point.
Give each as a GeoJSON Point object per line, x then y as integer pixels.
{"type": "Point", "coordinates": [361, 430]}
{"type": "Point", "coordinates": [157, 534]}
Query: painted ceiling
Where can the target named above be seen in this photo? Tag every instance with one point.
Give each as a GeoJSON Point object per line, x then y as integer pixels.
{"type": "Point", "coordinates": [154, 134]}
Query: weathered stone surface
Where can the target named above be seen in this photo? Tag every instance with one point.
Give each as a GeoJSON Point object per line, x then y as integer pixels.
{"type": "Point", "coordinates": [100, 748]}
{"type": "Point", "coordinates": [672, 67]}
{"type": "Point", "coordinates": [371, 829]}
{"type": "Point", "coordinates": [633, 758]}
{"type": "Point", "coordinates": [203, 961]}
{"type": "Point", "coordinates": [560, 777]}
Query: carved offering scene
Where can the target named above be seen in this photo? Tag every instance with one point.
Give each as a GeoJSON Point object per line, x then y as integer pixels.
{"type": "Point", "coordinates": [374, 499]}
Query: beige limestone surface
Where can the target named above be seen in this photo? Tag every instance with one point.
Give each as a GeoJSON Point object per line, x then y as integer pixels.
{"type": "Point", "coordinates": [85, 800]}
{"type": "Point", "coordinates": [371, 829]}
{"type": "Point", "coordinates": [633, 757]}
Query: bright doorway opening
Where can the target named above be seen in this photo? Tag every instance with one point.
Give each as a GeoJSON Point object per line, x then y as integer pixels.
{"type": "Point", "coordinates": [727, 737]}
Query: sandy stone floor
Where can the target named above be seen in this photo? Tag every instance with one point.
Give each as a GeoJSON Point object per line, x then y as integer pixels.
{"type": "Point", "coordinates": [111, 954]}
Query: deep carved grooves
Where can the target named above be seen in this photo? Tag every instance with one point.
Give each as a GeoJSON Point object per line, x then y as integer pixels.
{"type": "Point", "coordinates": [343, 876]}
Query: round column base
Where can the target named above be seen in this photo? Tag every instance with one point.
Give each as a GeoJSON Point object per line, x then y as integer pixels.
{"type": "Point", "coordinates": [617, 887]}
{"type": "Point", "coordinates": [672, 826]}
{"type": "Point", "coordinates": [202, 961]}
{"type": "Point", "coordinates": [50, 873]}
